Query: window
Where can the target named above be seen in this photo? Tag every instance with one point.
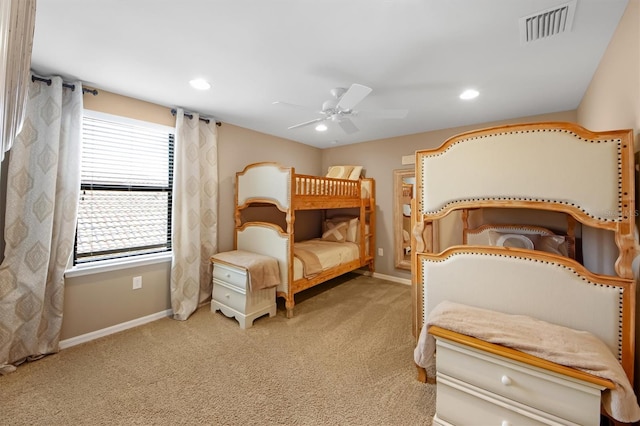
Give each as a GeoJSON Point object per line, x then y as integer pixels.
{"type": "Point", "coordinates": [125, 190]}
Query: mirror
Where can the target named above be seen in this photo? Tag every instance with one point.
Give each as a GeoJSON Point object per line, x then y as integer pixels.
{"type": "Point", "coordinates": [403, 191]}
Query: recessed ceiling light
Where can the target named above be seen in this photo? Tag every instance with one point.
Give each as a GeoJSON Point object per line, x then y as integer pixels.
{"type": "Point", "coordinates": [321, 127]}
{"type": "Point", "coordinates": [469, 94]}
{"type": "Point", "coordinates": [200, 84]}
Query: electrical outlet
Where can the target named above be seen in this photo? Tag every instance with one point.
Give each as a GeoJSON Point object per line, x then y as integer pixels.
{"type": "Point", "coordinates": [380, 252]}
{"type": "Point", "coordinates": [137, 282]}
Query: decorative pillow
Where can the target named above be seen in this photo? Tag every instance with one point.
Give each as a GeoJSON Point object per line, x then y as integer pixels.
{"type": "Point", "coordinates": [335, 232]}
{"type": "Point", "coordinates": [556, 244]}
{"type": "Point", "coordinates": [352, 226]}
{"type": "Point", "coordinates": [339, 172]}
{"type": "Point", "coordinates": [511, 240]}
{"type": "Point", "coordinates": [355, 173]}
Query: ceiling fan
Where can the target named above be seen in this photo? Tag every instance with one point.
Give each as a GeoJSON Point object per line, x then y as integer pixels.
{"type": "Point", "coordinates": [340, 108]}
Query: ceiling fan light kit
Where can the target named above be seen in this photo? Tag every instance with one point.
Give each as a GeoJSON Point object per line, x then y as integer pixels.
{"type": "Point", "coordinates": [340, 108]}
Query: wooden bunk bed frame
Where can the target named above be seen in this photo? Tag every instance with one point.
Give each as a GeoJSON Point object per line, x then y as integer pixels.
{"type": "Point", "coordinates": [591, 179]}
{"type": "Point", "coordinates": [269, 183]}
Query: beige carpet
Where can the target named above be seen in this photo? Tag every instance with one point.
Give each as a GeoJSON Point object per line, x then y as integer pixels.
{"type": "Point", "coordinates": [344, 359]}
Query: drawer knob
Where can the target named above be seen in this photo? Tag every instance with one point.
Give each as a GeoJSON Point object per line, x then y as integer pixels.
{"type": "Point", "coordinates": [228, 275]}
{"type": "Point", "coordinates": [227, 295]}
{"type": "Point", "coordinates": [505, 423]}
{"type": "Point", "coordinates": [506, 380]}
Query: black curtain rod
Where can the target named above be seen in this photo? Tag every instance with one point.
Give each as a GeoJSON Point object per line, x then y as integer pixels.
{"type": "Point", "coordinates": [190, 116]}
{"type": "Point", "coordinates": [67, 85]}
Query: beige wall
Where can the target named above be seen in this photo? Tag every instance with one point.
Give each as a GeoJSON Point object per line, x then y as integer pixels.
{"type": "Point", "coordinates": [94, 302]}
{"type": "Point", "coordinates": [112, 103]}
{"type": "Point", "coordinates": [97, 301]}
{"type": "Point", "coordinates": [612, 101]}
{"type": "Point", "coordinates": [238, 147]}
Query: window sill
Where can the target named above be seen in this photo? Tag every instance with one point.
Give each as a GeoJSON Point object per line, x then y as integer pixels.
{"type": "Point", "coordinates": [117, 265]}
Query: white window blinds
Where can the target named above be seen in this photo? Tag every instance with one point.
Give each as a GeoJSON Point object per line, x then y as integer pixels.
{"type": "Point", "coordinates": [125, 192]}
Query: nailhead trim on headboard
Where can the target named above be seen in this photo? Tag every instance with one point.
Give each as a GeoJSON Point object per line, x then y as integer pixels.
{"type": "Point", "coordinates": [556, 264]}
{"type": "Point", "coordinates": [620, 216]}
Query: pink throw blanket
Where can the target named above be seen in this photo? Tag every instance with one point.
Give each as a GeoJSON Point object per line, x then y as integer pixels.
{"type": "Point", "coordinates": [576, 349]}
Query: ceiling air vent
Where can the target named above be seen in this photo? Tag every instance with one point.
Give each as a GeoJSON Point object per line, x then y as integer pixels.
{"type": "Point", "coordinates": [547, 23]}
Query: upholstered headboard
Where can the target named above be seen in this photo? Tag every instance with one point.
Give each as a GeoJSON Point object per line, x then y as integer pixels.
{"type": "Point", "coordinates": [264, 182]}
{"type": "Point", "coordinates": [559, 167]}
{"type": "Point", "coordinates": [551, 166]}
{"type": "Point", "coordinates": [267, 239]}
{"type": "Point", "coordinates": [535, 284]}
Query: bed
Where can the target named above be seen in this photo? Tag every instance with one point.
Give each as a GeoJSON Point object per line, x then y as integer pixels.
{"type": "Point", "coordinates": [524, 270]}
{"type": "Point", "coordinates": [345, 243]}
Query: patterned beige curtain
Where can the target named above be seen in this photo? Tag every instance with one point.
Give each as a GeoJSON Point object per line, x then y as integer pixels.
{"type": "Point", "coordinates": [195, 213]}
{"type": "Point", "coordinates": [43, 184]}
{"type": "Point", "coordinates": [17, 23]}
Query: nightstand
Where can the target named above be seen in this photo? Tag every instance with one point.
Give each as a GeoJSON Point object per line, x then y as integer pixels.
{"type": "Point", "coordinates": [478, 387]}
{"type": "Point", "coordinates": [234, 298]}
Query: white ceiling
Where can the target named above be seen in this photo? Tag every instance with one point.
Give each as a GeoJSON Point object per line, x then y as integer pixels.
{"type": "Point", "coordinates": [415, 54]}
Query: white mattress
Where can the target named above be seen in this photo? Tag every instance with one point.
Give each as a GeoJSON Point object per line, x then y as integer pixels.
{"type": "Point", "coordinates": [330, 254]}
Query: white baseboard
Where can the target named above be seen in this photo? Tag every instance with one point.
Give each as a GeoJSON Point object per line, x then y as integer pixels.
{"type": "Point", "coordinates": [392, 278]}
{"type": "Point", "coordinates": [383, 276]}
{"type": "Point", "coordinates": [83, 338]}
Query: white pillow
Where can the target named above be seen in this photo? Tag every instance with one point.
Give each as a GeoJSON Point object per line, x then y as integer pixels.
{"type": "Point", "coordinates": [355, 173]}
{"type": "Point", "coordinates": [556, 244]}
{"type": "Point", "coordinates": [510, 240]}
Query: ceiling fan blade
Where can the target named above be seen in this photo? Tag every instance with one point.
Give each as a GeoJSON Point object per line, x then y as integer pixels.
{"type": "Point", "coordinates": [348, 126]}
{"type": "Point", "coordinates": [306, 123]}
{"type": "Point", "coordinates": [353, 96]}
{"type": "Point", "coordinates": [383, 114]}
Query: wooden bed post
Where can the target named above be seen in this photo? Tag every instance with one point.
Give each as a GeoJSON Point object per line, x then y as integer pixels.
{"type": "Point", "coordinates": [465, 225]}
{"type": "Point", "coordinates": [289, 303]}
{"type": "Point", "coordinates": [423, 376]}
{"type": "Point", "coordinates": [289, 295]}
{"type": "Point", "coordinates": [291, 219]}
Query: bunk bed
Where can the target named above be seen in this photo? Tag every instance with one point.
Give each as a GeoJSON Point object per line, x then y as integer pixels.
{"type": "Point", "coordinates": [346, 243]}
{"type": "Point", "coordinates": [487, 311]}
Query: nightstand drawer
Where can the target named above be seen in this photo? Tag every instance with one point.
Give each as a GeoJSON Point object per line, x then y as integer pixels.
{"type": "Point", "coordinates": [235, 276]}
{"type": "Point", "coordinates": [460, 404]}
{"type": "Point", "coordinates": [552, 393]}
{"type": "Point", "coordinates": [229, 295]}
